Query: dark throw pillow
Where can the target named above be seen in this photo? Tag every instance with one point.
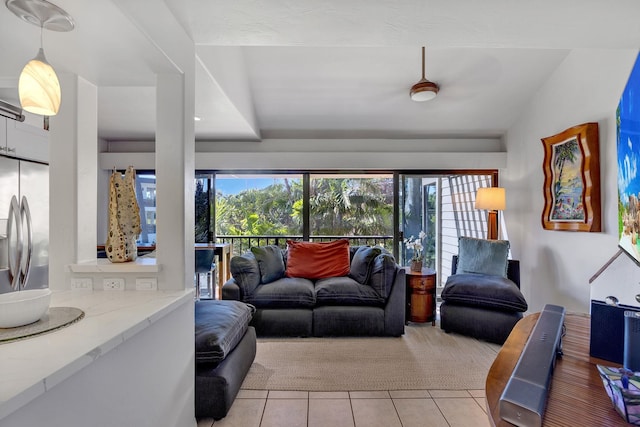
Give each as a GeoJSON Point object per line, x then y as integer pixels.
{"type": "Point", "coordinates": [360, 270]}
{"type": "Point", "coordinates": [383, 273]}
{"type": "Point", "coordinates": [270, 262]}
{"type": "Point", "coordinates": [246, 272]}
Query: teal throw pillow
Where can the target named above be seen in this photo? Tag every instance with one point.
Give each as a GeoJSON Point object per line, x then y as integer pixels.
{"type": "Point", "coordinates": [482, 256]}
{"type": "Point", "coordinates": [270, 262]}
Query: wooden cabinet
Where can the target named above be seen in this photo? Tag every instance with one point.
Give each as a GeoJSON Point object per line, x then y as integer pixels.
{"type": "Point", "coordinates": [421, 295]}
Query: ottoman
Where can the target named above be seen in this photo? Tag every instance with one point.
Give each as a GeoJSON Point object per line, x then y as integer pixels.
{"type": "Point", "coordinates": [225, 350]}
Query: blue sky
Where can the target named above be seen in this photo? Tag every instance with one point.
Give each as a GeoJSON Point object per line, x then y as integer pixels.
{"type": "Point", "coordinates": [629, 136]}
{"type": "Point", "coordinates": [237, 185]}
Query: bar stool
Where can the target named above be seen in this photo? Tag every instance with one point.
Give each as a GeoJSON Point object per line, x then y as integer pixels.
{"type": "Point", "coordinates": [204, 265]}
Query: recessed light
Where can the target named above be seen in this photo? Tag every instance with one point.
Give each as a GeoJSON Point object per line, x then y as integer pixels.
{"type": "Point", "coordinates": [196, 118]}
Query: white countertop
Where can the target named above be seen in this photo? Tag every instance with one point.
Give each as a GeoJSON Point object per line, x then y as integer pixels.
{"type": "Point", "coordinates": [30, 367]}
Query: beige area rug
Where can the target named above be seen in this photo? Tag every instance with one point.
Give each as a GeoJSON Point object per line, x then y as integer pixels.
{"type": "Point", "coordinates": [424, 358]}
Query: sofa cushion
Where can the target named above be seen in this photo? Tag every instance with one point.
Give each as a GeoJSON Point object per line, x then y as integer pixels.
{"type": "Point", "coordinates": [482, 256]}
{"type": "Point", "coordinates": [383, 273]}
{"type": "Point", "coordinates": [361, 263]}
{"type": "Point", "coordinates": [317, 260]}
{"type": "Point", "coordinates": [246, 272]}
{"type": "Point", "coordinates": [288, 292]}
{"type": "Point", "coordinates": [345, 291]}
{"type": "Point", "coordinates": [482, 290]}
{"type": "Point", "coordinates": [270, 262]}
{"type": "Point", "coordinates": [219, 326]}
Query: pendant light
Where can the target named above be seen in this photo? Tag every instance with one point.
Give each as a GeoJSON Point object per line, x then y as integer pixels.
{"type": "Point", "coordinates": [38, 86]}
{"type": "Point", "coordinates": [424, 90]}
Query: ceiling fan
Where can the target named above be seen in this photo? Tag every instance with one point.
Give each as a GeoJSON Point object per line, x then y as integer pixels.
{"type": "Point", "coordinates": [424, 90]}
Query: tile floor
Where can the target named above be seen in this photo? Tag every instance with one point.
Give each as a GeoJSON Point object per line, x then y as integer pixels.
{"type": "Point", "coordinates": [396, 408]}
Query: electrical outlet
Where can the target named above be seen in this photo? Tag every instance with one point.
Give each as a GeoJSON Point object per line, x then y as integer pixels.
{"type": "Point", "coordinates": [113, 284]}
{"type": "Point", "coordinates": [146, 284]}
{"type": "Point", "coordinates": [81, 283]}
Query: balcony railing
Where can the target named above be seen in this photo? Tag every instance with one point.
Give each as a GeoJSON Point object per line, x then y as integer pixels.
{"type": "Point", "coordinates": [241, 244]}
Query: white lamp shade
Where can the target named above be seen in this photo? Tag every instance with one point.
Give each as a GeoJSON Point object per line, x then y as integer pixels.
{"type": "Point", "coordinates": [39, 88]}
{"type": "Point", "coordinates": [491, 198]}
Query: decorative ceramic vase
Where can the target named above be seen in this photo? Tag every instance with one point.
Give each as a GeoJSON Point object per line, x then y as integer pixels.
{"type": "Point", "coordinates": [416, 266]}
{"type": "Point", "coordinates": [124, 217]}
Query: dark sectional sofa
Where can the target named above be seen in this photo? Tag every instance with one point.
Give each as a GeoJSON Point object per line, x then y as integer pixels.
{"type": "Point", "coordinates": [368, 300]}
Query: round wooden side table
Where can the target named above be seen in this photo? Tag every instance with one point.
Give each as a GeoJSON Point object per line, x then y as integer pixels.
{"type": "Point", "coordinates": [421, 286]}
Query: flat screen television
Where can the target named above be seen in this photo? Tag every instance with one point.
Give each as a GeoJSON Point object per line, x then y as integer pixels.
{"type": "Point", "coordinates": [628, 144]}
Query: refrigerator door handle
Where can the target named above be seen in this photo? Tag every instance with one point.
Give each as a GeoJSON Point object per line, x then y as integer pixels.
{"type": "Point", "coordinates": [15, 256]}
{"type": "Point", "coordinates": [25, 265]}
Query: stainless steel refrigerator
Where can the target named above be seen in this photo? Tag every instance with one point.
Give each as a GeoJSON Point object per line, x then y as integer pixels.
{"type": "Point", "coordinates": [24, 224]}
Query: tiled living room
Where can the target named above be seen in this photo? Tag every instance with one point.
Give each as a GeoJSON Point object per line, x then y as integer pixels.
{"type": "Point", "coordinates": [177, 88]}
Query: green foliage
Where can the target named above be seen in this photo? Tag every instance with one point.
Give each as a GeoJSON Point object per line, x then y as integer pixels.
{"type": "Point", "coordinates": [338, 206]}
{"type": "Point", "coordinates": [266, 211]}
{"type": "Point", "coordinates": [621, 212]}
{"type": "Point", "coordinates": [201, 213]}
{"type": "Point", "coordinates": [351, 206]}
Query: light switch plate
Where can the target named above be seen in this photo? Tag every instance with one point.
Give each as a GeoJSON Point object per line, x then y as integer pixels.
{"type": "Point", "coordinates": [146, 284]}
{"type": "Point", "coordinates": [81, 283]}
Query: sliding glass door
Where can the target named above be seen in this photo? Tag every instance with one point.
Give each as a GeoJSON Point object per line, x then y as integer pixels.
{"type": "Point", "coordinates": [354, 206]}
{"type": "Point", "coordinates": [441, 206]}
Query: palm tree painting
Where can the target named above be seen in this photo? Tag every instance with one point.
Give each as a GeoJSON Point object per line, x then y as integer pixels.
{"type": "Point", "coordinates": [568, 183]}
{"type": "Point", "coordinates": [571, 189]}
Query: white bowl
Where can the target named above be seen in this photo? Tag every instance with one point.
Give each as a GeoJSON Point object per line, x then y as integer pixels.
{"type": "Point", "coordinates": [20, 308]}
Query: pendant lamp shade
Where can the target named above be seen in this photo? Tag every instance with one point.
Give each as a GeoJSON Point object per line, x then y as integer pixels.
{"type": "Point", "coordinates": [424, 90]}
{"type": "Point", "coordinates": [38, 87]}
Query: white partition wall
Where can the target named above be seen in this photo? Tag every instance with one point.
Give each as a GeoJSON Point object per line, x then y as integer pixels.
{"type": "Point", "coordinates": [72, 178]}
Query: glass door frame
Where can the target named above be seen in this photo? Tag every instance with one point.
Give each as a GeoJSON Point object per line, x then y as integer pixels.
{"type": "Point", "coordinates": [399, 250]}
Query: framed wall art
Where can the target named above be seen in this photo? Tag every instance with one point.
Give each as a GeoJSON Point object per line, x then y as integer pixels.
{"type": "Point", "coordinates": [572, 180]}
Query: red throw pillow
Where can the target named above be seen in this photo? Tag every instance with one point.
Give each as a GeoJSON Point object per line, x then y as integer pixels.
{"type": "Point", "coordinates": [318, 260]}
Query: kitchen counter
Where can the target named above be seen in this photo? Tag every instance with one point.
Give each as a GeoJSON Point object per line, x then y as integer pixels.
{"type": "Point", "coordinates": [31, 367]}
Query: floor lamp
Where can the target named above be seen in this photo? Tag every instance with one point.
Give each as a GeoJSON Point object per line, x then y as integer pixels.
{"type": "Point", "coordinates": [493, 200]}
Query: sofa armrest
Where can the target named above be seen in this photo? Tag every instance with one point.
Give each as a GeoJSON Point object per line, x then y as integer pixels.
{"type": "Point", "coordinates": [395, 310]}
{"type": "Point", "coordinates": [231, 290]}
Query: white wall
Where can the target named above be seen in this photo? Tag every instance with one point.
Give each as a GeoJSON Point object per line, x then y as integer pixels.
{"type": "Point", "coordinates": [556, 265]}
{"type": "Point", "coordinates": [72, 174]}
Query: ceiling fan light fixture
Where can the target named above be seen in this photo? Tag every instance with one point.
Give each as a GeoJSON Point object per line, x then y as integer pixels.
{"type": "Point", "coordinates": [424, 90]}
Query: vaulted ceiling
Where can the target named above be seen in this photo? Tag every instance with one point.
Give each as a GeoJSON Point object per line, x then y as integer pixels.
{"type": "Point", "coordinates": [324, 69]}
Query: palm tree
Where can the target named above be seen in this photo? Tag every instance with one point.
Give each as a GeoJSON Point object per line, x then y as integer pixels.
{"type": "Point", "coordinates": [565, 152]}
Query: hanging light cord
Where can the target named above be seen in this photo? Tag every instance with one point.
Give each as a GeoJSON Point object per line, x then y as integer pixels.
{"type": "Point", "coordinates": [42, 36]}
